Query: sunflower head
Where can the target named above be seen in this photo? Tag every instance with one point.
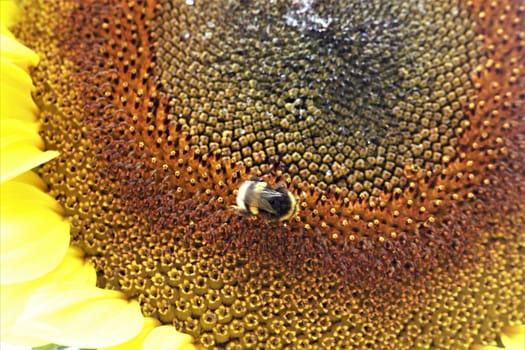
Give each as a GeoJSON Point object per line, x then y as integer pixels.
{"type": "Point", "coordinates": [398, 127]}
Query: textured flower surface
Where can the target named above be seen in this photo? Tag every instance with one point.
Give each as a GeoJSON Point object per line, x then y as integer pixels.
{"type": "Point", "coordinates": [48, 291]}
{"type": "Point", "coordinates": [398, 125]}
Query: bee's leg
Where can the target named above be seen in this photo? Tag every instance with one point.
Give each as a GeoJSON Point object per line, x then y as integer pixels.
{"type": "Point", "coordinates": [241, 212]}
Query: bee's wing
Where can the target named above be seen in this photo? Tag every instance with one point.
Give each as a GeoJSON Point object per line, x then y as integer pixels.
{"type": "Point", "coordinates": [263, 203]}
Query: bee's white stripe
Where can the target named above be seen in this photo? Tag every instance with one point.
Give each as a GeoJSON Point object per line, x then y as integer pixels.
{"type": "Point", "coordinates": [241, 195]}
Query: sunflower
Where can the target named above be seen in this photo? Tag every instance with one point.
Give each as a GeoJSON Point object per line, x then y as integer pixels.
{"type": "Point", "coordinates": [47, 285]}
{"type": "Point", "coordinates": [398, 126]}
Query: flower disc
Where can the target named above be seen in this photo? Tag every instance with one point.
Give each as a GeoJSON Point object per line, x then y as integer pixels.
{"type": "Point", "coordinates": [398, 126]}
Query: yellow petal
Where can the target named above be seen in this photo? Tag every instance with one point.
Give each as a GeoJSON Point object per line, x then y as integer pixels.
{"type": "Point", "coordinates": [33, 241]}
{"type": "Point", "coordinates": [485, 347]}
{"type": "Point", "coordinates": [167, 338]}
{"type": "Point", "coordinates": [136, 342]}
{"type": "Point", "coordinates": [15, 102]}
{"type": "Point", "coordinates": [15, 76]}
{"type": "Point", "coordinates": [14, 130]}
{"type": "Point", "coordinates": [14, 297]}
{"type": "Point", "coordinates": [14, 51]}
{"type": "Point", "coordinates": [20, 157]}
{"type": "Point", "coordinates": [513, 337]}
{"type": "Point", "coordinates": [24, 341]}
{"type": "Point", "coordinates": [77, 315]}
{"type": "Point", "coordinates": [5, 30]}
{"type": "Point", "coordinates": [19, 193]}
{"type": "Point", "coordinates": [30, 178]}
{"type": "Point", "coordinates": [8, 13]}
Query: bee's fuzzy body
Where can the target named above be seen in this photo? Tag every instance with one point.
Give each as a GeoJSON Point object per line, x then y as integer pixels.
{"type": "Point", "coordinates": [257, 197]}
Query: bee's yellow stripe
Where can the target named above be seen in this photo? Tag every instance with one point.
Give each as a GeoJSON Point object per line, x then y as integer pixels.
{"type": "Point", "coordinates": [256, 188]}
{"type": "Point", "coordinates": [294, 208]}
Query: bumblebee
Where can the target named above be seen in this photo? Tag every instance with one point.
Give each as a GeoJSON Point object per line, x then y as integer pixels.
{"type": "Point", "coordinates": [256, 197]}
